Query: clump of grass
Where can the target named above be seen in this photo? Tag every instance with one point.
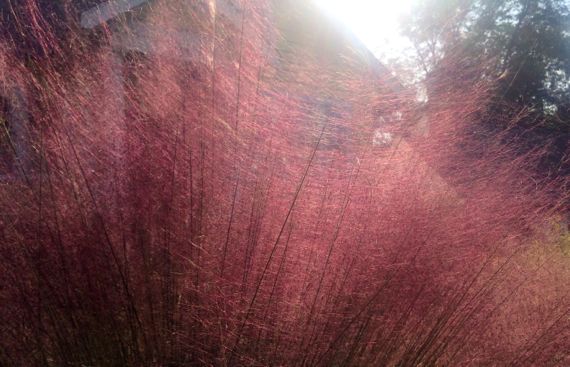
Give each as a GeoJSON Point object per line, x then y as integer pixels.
{"type": "Point", "coordinates": [175, 212]}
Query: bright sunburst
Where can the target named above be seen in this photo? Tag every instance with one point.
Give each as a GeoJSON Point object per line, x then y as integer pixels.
{"type": "Point", "coordinates": [375, 22]}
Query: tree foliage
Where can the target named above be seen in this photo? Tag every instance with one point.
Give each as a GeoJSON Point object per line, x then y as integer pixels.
{"type": "Point", "coordinates": [523, 46]}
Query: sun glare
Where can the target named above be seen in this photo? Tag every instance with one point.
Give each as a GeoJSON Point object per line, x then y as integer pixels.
{"type": "Point", "coordinates": [375, 22]}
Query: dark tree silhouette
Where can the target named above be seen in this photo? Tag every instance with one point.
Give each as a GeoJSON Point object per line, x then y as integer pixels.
{"type": "Point", "coordinates": [522, 45]}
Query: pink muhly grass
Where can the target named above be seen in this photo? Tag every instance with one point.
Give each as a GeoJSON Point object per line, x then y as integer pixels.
{"type": "Point", "coordinates": [235, 211]}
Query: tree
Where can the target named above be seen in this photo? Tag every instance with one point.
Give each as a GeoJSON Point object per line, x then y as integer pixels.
{"type": "Point", "coordinates": [521, 45]}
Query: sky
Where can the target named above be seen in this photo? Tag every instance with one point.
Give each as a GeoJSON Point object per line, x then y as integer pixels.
{"type": "Point", "coordinates": [375, 22]}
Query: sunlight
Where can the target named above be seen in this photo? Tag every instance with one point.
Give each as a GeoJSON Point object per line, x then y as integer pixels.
{"type": "Point", "coordinates": [375, 22]}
